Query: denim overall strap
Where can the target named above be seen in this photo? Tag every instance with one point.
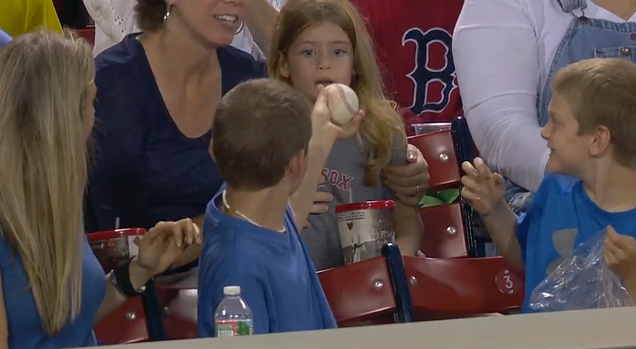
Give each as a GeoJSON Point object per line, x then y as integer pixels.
{"type": "Point", "coordinates": [588, 38]}
{"type": "Point", "coordinates": [585, 38]}
{"type": "Point", "coordinates": [572, 5]}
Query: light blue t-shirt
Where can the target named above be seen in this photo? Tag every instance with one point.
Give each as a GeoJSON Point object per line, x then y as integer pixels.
{"type": "Point", "coordinates": [277, 277]}
{"type": "Point", "coordinates": [4, 38]}
{"type": "Point", "coordinates": [25, 328]}
{"type": "Point", "coordinates": [560, 218]}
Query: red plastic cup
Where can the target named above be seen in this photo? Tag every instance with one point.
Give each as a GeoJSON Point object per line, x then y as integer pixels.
{"type": "Point", "coordinates": [114, 246]}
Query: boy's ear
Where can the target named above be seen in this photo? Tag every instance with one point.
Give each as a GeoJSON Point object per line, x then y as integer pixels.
{"type": "Point", "coordinates": [283, 67]}
{"type": "Point", "coordinates": [297, 163]}
{"type": "Point", "coordinates": [601, 142]}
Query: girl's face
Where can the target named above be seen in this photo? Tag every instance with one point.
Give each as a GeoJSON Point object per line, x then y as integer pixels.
{"type": "Point", "coordinates": [321, 55]}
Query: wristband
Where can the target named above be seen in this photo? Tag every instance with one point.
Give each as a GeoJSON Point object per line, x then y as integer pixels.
{"type": "Point", "coordinates": [120, 277]}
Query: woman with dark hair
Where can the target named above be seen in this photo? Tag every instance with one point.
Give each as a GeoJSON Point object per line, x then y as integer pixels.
{"type": "Point", "coordinates": [157, 95]}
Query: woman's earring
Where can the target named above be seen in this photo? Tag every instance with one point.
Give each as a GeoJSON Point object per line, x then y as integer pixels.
{"type": "Point", "coordinates": [167, 15]}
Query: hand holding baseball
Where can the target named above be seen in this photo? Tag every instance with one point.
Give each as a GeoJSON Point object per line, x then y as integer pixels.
{"type": "Point", "coordinates": [483, 190]}
{"type": "Point", "coordinates": [343, 103]}
{"type": "Point", "coordinates": [323, 126]}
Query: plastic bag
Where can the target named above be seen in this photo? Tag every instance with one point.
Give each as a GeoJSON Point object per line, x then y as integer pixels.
{"type": "Point", "coordinates": [582, 281]}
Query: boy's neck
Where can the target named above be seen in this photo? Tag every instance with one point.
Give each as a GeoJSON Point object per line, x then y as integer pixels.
{"type": "Point", "coordinates": [265, 208]}
{"type": "Point", "coordinates": [612, 187]}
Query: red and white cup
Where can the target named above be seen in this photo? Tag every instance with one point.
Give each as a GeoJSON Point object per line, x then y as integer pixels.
{"type": "Point", "coordinates": [364, 229]}
{"type": "Point", "coordinates": [113, 246]}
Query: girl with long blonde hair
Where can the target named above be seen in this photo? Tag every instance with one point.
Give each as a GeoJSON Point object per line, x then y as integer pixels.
{"type": "Point", "coordinates": [319, 42]}
{"type": "Point", "coordinates": [53, 288]}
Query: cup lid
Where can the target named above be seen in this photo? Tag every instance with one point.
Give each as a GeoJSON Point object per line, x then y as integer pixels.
{"type": "Point", "coordinates": [113, 234]}
{"type": "Point", "coordinates": [378, 204]}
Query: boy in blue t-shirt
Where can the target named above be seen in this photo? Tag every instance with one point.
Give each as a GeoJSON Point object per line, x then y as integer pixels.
{"type": "Point", "coordinates": [268, 145]}
{"type": "Point", "coordinates": [591, 183]}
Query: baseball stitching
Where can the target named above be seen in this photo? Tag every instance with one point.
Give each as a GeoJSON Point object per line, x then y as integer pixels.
{"type": "Point", "coordinates": [343, 98]}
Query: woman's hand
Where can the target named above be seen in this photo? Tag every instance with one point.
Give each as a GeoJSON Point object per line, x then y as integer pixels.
{"type": "Point", "coordinates": [164, 243]}
{"type": "Point", "coordinates": [409, 182]}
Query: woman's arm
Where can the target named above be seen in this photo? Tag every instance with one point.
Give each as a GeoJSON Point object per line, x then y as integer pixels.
{"type": "Point", "coordinates": [113, 298]}
{"type": "Point", "coordinates": [159, 249]}
{"type": "Point", "coordinates": [496, 57]}
{"type": "Point", "coordinates": [408, 228]}
{"type": "Point", "coordinates": [4, 325]}
{"type": "Point", "coordinates": [260, 19]}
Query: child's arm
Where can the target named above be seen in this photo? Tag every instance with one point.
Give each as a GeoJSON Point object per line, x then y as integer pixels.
{"type": "Point", "coordinates": [408, 228]}
{"type": "Point", "coordinates": [324, 135]}
{"type": "Point", "coordinates": [302, 200]}
{"type": "Point", "coordinates": [501, 224]}
{"type": "Point", "coordinates": [484, 190]}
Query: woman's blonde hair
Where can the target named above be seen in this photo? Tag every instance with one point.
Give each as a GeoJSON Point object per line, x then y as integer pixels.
{"type": "Point", "coordinates": [382, 122]}
{"type": "Point", "coordinates": [43, 85]}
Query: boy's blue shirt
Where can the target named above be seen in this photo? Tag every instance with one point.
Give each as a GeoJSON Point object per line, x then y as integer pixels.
{"type": "Point", "coordinates": [560, 218]}
{"type": "Point", "coordinates": [277, 277]}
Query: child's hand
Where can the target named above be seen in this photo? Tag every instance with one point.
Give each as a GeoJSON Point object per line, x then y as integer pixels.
{"type": "Point", "coordinates": [620, 255]}
{"type": "Point", "coordinates": [323, 128]}
{"type": "Point", "coordinates": [483, 190]}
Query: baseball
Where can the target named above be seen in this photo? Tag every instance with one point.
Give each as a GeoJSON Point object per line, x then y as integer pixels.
{"type": "Point", "coordinates": [342, 102]}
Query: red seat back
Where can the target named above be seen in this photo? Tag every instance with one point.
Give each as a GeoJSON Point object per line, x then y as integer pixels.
{"type": "Point", "coordinates": [444, 235]}
{"type": "Point", "coordinates": [443, 288]}
{"type": "Point", "coordinates": [87, 33]}
{"type": "Point", "coordinates": [439, 152]}
{"type": "Point", "coordinates": [179, 308]}
{"type": "Point", "coordinates": [360, 293]}
{"type": "Point", "coordinates": [125, 325]}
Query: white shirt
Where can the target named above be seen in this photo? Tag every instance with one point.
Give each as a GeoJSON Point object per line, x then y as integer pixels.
{"type": "Point", "coordinates": [503, 50]}
{"type": "Point", "coordinates": [115, 19]}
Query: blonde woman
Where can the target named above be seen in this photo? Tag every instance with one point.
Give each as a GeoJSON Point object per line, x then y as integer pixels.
{"type": "Point", "coordinates": [53, 289]}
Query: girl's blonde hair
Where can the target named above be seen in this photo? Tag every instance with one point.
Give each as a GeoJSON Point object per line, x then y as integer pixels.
{"type": "Point", "coordinates": [43, 84]}
{"type": "Point", "coordinates": [382, 122]}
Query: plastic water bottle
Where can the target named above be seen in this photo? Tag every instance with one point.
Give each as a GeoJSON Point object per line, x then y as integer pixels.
{"type": "Point", "coordinates": [233, 317]}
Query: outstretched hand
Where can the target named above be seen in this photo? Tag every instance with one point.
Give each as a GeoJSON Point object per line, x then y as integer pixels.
{"type": "Point", "coordinates": [482, 189]}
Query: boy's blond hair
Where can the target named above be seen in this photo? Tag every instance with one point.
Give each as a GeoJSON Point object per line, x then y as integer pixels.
{"type": "Point", "coordinates": [602, 92]}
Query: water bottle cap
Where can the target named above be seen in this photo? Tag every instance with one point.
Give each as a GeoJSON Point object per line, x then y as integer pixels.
{"type": "Point", "coordinates": [232, 290]}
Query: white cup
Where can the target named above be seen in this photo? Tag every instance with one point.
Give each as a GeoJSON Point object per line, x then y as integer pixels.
{"type": "Point", "coordinates": [364, 229]}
